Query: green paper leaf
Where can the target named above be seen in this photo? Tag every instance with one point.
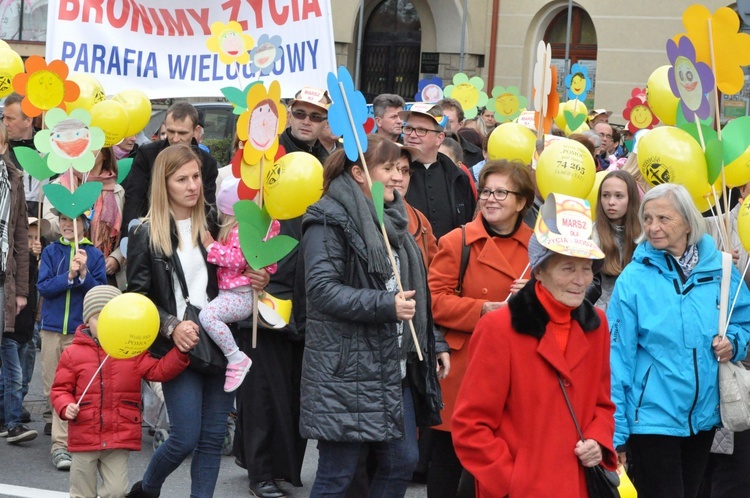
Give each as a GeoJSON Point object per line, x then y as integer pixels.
{"type": "Point", "coordinates": [31, 162]}
{"type": "Point", "coordinates": [73, 204]}
{"type": "Point", "coordinates": [248, 212]}
{"type": "Point", "coordinates": [714, 159]}
{"type": "Point", "coordinates": [574, 121]}
{"type": "Point", "coordinates": [378, 192]}
{"type": "Point", "coordinates": [736, 138]}
{"type": "Point", "coordinates": [259, 253]}
{"type": "Point", "coordinates": [123, 168]}
{"type": "Point", "coordinates": [709, 134]}
{"type": "Point", "coordinates": [681, 119]}
{"type": "Point", "coordinates": [234, 95]}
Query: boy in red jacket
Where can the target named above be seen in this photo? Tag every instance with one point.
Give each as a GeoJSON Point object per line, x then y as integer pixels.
{"type": "Point", "coordinates": [106, 426]}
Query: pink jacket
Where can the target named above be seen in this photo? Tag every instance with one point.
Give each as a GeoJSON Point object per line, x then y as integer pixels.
{"type": "Point", "coordinates": [230, 260]}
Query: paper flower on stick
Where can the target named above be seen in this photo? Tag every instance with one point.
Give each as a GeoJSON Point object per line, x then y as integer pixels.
{"type": "Point", "coordinates": [260, 125]}
{"type": "Point", "coordinates": [639, 93]}
{"type": "Point", "coordinates": [506, 103]}
{"type": "Point", "coordinates": [69, 140]}
{"type": "Point", "coordinates": [468, 92]}
{"type": "Point", "coordinates": [689, 80]}
{"type": "Point", "coordinates": [45, 86]}
{"type": "Point", "coordinates": [429, 90]}
{"type": "Point", "coordinates": [338, 117]}
{"type": "Point", "coordinates": [731, 48]}
{"type": "Point", "coordinates": [578, 82]}
{"type": "Point", "coordinates": [230, 42]}
{"type": "Point", "coordinates": [639, 115]}
{"type": "Point", "coordinates": [265, 54]}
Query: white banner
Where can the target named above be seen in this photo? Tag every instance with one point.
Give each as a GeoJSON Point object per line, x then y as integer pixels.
{"type": "Point", "coordinates": [160, 47]}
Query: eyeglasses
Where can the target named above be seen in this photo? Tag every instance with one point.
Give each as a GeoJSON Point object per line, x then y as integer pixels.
{"type": "Point", "coordinates": [419, 131]}
{"type": "Point", "coordinates": [605, 135]}
{"type": "Point", "coordinates": [500, 194]}
{"type": "Point", "coordinates": [314, 117]}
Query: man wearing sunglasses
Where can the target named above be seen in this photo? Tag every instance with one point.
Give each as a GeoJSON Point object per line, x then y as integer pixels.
{"type": "Point", "coordinates": [439, 189]}
{"type": "Point", "coordinates": [308, 113]}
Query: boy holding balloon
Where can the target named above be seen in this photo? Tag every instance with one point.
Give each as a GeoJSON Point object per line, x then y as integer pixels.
{"type": "Point", "coordinates": [104, 423]}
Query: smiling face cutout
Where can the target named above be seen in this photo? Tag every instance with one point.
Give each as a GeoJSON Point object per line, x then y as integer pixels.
{"type": "Point", "coordinates": [641, 116]}
{"type": "Point", "coordinates": [231, 43]}
{"type": "Point", "coordinates": [264, 55]}
{"type": "Point", "coordinates": [688, 82]}
{"type": "Point", "coordinates": [507, 105]}
{"type": "Point", "coordinates": [263, 126]}
{"type": "Point", "coordinates": [578, 84]}
{"type": "Point", "coordinates": [70, 138]}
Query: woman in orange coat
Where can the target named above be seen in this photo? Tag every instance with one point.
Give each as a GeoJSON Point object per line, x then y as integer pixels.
{"type": "Point", "coordinates": [512, 427]}
{"type": "Point", "coordinates": [497, 242]}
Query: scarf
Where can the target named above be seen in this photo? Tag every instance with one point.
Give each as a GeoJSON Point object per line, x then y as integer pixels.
{"type": "Point", "coordinates": [106, 216]}
{"type": "Point", "coordinates": [4, 214]}
{"type": "Point", "coordinates": [119, 153]}
{"type": "Point", "coordinates": [346, 191]}
{"type": "Point", "coordinates": [688, 260]}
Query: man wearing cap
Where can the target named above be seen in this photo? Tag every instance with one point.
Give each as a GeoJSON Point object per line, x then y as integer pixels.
{"type": "Point", "coordinates": [604, 130]}
{"type": "Point", "coordinates": [182, 124]}
{"type": "Point", "coordinates": [308, 112]}
{"type": "Point", "coordinates": [438, 188]}
{"type": "Point", "coordinates": [456, 119]}
{"type": "Point", "coordinates": [599, 116]}
{"type": "Point", "coordinates": [386, 108]}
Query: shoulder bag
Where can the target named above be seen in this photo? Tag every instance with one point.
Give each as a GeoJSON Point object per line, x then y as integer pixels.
{"type": "Point", "coordinates": [205, 357]}
{"type": "Point", "coordinates": [601, 483]}
{"type": "Point", "coordinates": [734, 379]}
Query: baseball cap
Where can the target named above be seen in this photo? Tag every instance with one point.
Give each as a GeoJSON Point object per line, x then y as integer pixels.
{"type": "Point", "coordinates": [425, 109]}
{"type": "Point", "coordinates": [314, 96]}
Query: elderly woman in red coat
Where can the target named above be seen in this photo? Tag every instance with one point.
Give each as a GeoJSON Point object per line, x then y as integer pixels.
{"type": "Point", "coordinates": [512, 429]}
{"type": "Point", "coordinates": [496, 241]}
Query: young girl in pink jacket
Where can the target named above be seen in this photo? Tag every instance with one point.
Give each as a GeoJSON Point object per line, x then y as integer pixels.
{"type": "Point", "coordinates": [235, 299]}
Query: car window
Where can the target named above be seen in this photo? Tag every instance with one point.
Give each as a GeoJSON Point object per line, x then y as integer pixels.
{"type": "Point", "coordinates": [215, 123]}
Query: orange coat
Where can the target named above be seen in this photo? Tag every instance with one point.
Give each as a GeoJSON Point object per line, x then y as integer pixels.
{"type": "Point", "coordinates": [421, 229]}
{"type": "Point", "coordinates": [494, 263]}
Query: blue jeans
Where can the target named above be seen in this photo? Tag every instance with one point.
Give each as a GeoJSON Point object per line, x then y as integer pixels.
{"type": "Point", "coordinates": [12, 377]}
{"type": "Point", "coordinates": [28, 357]}
{"type": "Point", "coordinates": [198, 409]}
{"type": "Point", "coordinates": [396, 460]}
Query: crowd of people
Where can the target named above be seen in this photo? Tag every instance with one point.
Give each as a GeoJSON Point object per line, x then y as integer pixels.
{"type": "Point", "coordinates": [462, 351]}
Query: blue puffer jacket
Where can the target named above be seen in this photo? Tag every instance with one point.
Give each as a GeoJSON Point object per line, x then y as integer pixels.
{"type": "Point", "coordinates": [664, 372]}
{"type": "Point", "coordinates": [62, 308]}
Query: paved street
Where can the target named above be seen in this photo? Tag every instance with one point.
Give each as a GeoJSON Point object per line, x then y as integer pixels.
{"type": "Point", "coordinates": [27, 470]}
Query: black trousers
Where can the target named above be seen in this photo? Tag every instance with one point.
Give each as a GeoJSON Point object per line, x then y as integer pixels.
{"type": "Point", "coordinates": [728, 476]}
{"type": "Point", "coordinates": [669, 466]}
{"type": "Point", "coordinates": [446, 477]}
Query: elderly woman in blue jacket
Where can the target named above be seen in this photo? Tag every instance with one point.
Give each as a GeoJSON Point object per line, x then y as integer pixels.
{"type": "Point", "coordinates": [663, 318]}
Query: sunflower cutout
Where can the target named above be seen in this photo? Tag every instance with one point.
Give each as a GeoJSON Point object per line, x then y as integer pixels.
{"type": "Point", "coordinates": [265, 54]}
{"type": "Point", "coordinates": [506, 103]}
{"type": "Point", "coordinates": [578, 82]}
{"type": "Point", "coordinates": [639, 115]}
{"type": "Point", "coordinates": [260, 125]}
{"type": "Point", "coordinates": [468, 93]}
{"type": "Point", "coordinates": [731, 48]}
{"type": "Point", "coordinates": [230, 42]}
{"type": "Point", "coordinates": [69, 140]}
{"type": "Point", "coordinates": [689, 80]}
{"type": "Point", "coordinates": [44, 86]}
{"type": "Point", "coordinates": [429, 90]}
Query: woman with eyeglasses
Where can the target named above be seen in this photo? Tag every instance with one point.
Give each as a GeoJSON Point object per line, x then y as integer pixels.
{"type": "Point", "coordinates": [496, 242]}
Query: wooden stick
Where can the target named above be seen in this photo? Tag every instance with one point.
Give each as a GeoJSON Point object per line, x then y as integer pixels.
{"type": "Point", "coordinates": [382, 225]}
{"type": "Point", "coordinates": [540, 127]}
{"type": "Point", "coordinates": [75, 221]}
{"type": "Point", "coordinates": [522, 274]}
{"type": "Point", "coordinates": [256, 295]}
{"type": "Point", "coordinates": [92, 380]}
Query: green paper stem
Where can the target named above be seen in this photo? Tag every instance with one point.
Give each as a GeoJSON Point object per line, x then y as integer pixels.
{"type": "Point", "coordinates": [378, 194]}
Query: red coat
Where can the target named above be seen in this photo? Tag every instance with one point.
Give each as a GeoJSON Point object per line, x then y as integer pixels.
{"type": "Point", "coordinates": [110, 416]}
{"type": "Point", "coordinates": [511, 427]}
{"type": "Point", "coordinates": [421, 229]}
{"type": "Point", "coordinates": [494, 263]}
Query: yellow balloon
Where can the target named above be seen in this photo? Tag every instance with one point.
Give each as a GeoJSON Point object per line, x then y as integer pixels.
{"type": "Point", "coordinates": [738, 171]}
{"type": "Point", "coordinates": [743, 223]}
{"type": "Point", "coordinates": [512, 141]}
{"type": "Point", "coordinates": [292, 185]}
{"type": "Point", "coordinates": [574, 106]}
{"type": "Point", "coordinates": [670, 155]}
{"type": "Point", "coordinates": [10, 65]}
{"type": "Point", "coordinates": [660, 98]}
{"type": "Point", "coordinates": [565, 167]}
{"type": "Point", "coordinates": [138, 107]}
{"type": "Point", "coordinates": [4, 44]}
{"type": "Point", "coordinates": [593, 196]}
{"type": "Point", "coordinates": [92, 92]}
{"type": "Point", "coordinates": [112, 118]}
{"type": "Point", "coordinates": [128, 325]}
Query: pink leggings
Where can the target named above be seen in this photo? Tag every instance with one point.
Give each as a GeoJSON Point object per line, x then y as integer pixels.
{"type": "Point", "coordinates": [228, 307]}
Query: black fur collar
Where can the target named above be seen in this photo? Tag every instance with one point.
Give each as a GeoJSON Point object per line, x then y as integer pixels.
{"type": "Point", "coordinates": [528, 316]}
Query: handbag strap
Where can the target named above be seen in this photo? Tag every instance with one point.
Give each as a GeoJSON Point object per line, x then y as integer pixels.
{"type": "Point", "coordinates": [465, 253]}
{"type": "Point", "coordinates": [570, 407]}
{"type": "Point", "coordinates": [180, 277]}
{"type": "Point", "coordinates": [726, 279]}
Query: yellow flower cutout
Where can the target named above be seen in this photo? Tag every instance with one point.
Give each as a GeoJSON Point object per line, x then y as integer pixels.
{"type": "Point", "coordinates": [44, 86]}
{"type": "Point", "coordinates": [230, 42]}
{"type": "Point", "coordinates": [259, 127]}
{"type": "Point", "coordinates": [731, 48]}
{"type": "Point", "coordinates": [468, 93]}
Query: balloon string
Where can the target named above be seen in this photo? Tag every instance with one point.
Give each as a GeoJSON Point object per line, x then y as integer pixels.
{"type": "Point", "coordinates": [734, 301]}
{"type": "Point", "coordinates": [722, 226]}
{"type": "Point", "coordinates": [92, 380]}
{"type": "Point", "coordinates": [723, 242]}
